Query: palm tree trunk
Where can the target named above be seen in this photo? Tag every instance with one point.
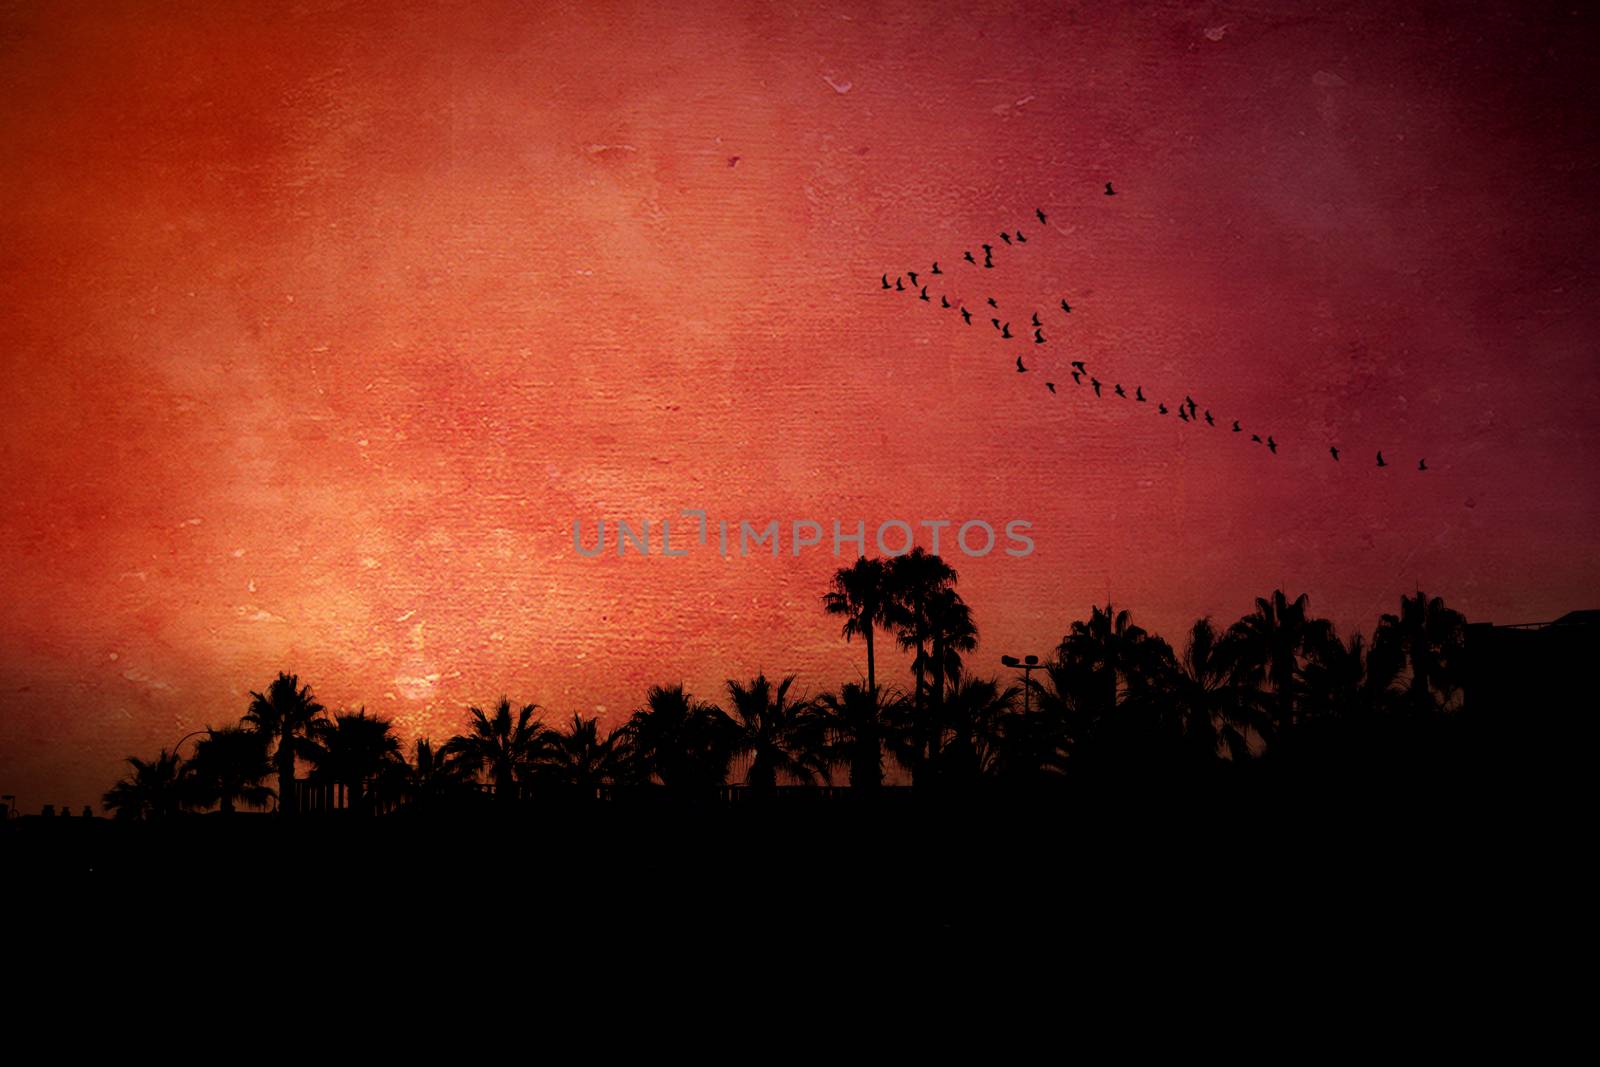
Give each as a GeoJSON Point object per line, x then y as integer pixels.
{"type": "Point", "coordinates": [872, 672]}
{"type": "Point", "coordinates": [286, 798]}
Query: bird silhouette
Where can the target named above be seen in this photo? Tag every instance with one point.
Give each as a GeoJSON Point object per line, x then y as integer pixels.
{"type": "Point", "coordinates": [1006, 237]}
{"type": "Point", "coordinates": [966, 316]}
{"type": "Point", "coordinates": [1050, 386]}
{"type": "Point", "coordinates": [1381, 463]}
{"type": "Point", "coordinates": [1036, 321]}
{"type": "Point", "coordinates": [924, 295]}
{"type": "Point", "coordinates": [1020, 368]}
{"type": "Point", "coordinates": [1096, 383]}
{"type": "Point", "coordinates": [1189, 402]}
{"type": "Point", "coordinates": [1039, 211]}
{"type": "Point", "coordinates": [1333, 450]}
{"type": "Point", "coordinates": [1256, 438]}
{"type": "Point", "coordinates": [992, 303]}
{"type": "Point", "coordinates": [1021, 240]}
{"type": "Point", "coordinates": [1422, 464]}
{"type": "Point", "coordinates": [996, 323]}
{"type": "Point", "coordinates": [1079, 364]}
{"type": "Point", "coordinates": [1209, 420]}
{"type": "Point", "coordinates": [886, 284]}
{"type": "Point", "coordinates": [967, 255]}
{"type": "Point", "coordinates": [1110, 191]}
{"type": "Point", "coordinates": [1236, 428]}
{"type": "Point", "coordinates": [912, 275]}
{"type": "Point", "coordinates": [1162, 408]}
{"type": "Point", "coordinates": [1005, 331]}
{"type": "Point", "coordinates": [1077, 377]}
{"type": "Point", "coordinates": [1038, 337]}
{"type": "Point", "coordinates": [1183, 413]}
{"type": "Point", "coordinates": [1066, 306]}
{"type": "Point", "coordinates": [1123, 393]}
{"type": "Point", "coordinates": [1138, 394]}
{"type": "Point", "coordinates": [936, 269]}
{"type": "Point", "coordinates": [944, 301]}
{"type": "Point", "coordinates": [988, 250]}
{"type": "Point", "coordinates": [1272, 446]}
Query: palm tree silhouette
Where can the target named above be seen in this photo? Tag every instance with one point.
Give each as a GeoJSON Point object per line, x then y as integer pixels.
{"type": "Point", "coordinates": [151, 790]}
{"type": "Point", "coordinates": [505, 746]}
{"type": "Point", "coordinates": [951, 632]}
{"type": "Point", "coordinates": [978, 713]}
{"type": "Point", "coordinates": [781, 736]}
{"type": "Point", "coordinates": [912, 580]}
{"type": "Point", "coordinates": [580, 761]}
{"type": "Point", "coordinates": [1425, 640]}
{"type": "Point", "coordinates": [1277, 640]}
{"type": "Point", "coordinates": [863, 595]}
{"type": "Point", "coordinates": [684, 743]}
{"type": "Point", "coordinates": [859, 725]}
{"type": "Point", "coordinates": [434, 775]}
{"type": "Point", "coordinates": [228, 768]}
{"type": "Point", "coordinates": [287, 714]}
{"type": "Point", "coordinates": [353, 751]}
{"type": "Point", "coordinates": [1216, 713]}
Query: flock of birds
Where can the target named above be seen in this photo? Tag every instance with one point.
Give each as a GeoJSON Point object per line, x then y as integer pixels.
{"type": "Point", "coordinates": [1188, 411]}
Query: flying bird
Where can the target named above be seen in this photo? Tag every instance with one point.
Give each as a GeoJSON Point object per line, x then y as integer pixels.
{"type": "Point", "coordinates": [988, 250]}
{"type": "Point", "coordinates": [1039, 211]}
{"type": "Point", "coordinates": [1038, 337]}
{"type": "Point", "coordinates": [1162, 408]}
{"type": "Point", "coordinates": [1110, 191]}
{"type": "Point", "coordinates": [1050, 386]}
{"type": "Point", "coordinates": [996, 323]}
{"type": "Point", "coordinates": [967, 255]}
{"type": "Point", "coordinates": [1005, 331]}
{"type": "Point", "coordinates": [1138, 394]}
{"type": "Point", "coordinates": [1021, 240]}
{"type": "Point", "coordinates": [1066, 306]}
{"type": "Point", "coordinates": [1256, 438]}
{"type": "Point", "coordinates": [1422, 464]}
{"type": "Point", "coordinates": [992, 303]}
{"type": "Point", "coordinates": [1381, 463]}
{"type": "Point", "coordinates": [1096, 383]}
{"type": "Point", "coordinates": [924, 295]}
{"type": "Point", "coordinates": [944, 301]}
{"type": "Point", "coordinates": [1236, 428]}
{"type": "Point", "coordinates": [1209, 420]}
{"type": "Point", "coordinates": [1333, 450]}
{"type": "Point", "coordinates": [1020, 368]}
{"type": "Point", "coordinates": [1036, 321]}
{"type": "Point", "coordinates": [1079, 364]}
{"type": "Point", "coordinates": [1183, 413]}
{"type": "Point", "coordinates": [1122, 392]}
{"type": "Point", "coordinates": [886, 284]}
{"type": "Point", "coordinates": [1272, 446]}
{"type": "Point", "coordinates": [898, 287]}
{"type": "Point", "coordinates": [912, 275]}
{"type": "Point", "coordinates": [1077, 377]}
{"type": "Point", "coordinates": [967, 316]}
{"type": "Point", "coordinates": [936, 269]}
{"type": "Point", "coordinates": [1006, 237]}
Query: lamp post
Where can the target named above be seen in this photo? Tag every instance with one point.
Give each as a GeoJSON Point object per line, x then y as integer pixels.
{"type": "Point", "coordinates": [1027, 665]}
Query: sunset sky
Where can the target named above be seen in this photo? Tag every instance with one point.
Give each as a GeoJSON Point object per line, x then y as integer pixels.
{"type": "Point", "coordinates": [323, 322]}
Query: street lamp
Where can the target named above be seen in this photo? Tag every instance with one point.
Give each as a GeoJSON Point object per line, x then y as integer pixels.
{"type": "Point", "coordinates": [1027, 665]}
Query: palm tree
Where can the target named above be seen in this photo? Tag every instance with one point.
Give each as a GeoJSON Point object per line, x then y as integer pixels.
{"type": "Point", "coordinates": [1427, 638]}
{"type": "Point", "coordinates": [978, 714]}
{"type": "Point", "coordinates": [288, 715]}
{"type": "Point", "coordinates": [582, 761]}
{"type": "Point", "coordinates": [1115, 669]}
{"type": "Point", "coordinates": [951, 633]}
{"type": "Point", "coordinates": [1277, 638]}
{"type": "Point", "coordinates": [862, 594]}
{"type": "Point", "coordinates": [354, 750]}
{"type": "Point", "coordinates": [433, 775]}
{"type": "Point", "coordinates": [912, 581]}
{"type": "Point", "coordinates": [151, 790]}
{"type": "Point", "coordinates": [780, 735]}
{"type": "Point", "coordinates": [507, 748]}
{"type": "Point", "coordinates": [1214, 712]}
{"type": "Point", "coordinates": [858, 727]}
{"type": "Point", "coordinates": [685, 743]}
{"type": "Point", "coordinates": [228, 767]}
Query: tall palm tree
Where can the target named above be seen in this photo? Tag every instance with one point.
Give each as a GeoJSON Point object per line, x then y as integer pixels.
{"type": "Point", "coordinates": [1116, 669]}
{"type": "Point", "coordinates": [863, 595]}
{"type": "Point", "coordinates": [288, 715]}
{"type": "Point", "coordinates": [1277, 639]}
{"type": "Point", "coordinates": [912, 581]}
{"type": "Point", "coordinates": [1427, 638]}
{"type": "Point", "coordinates": [780, 735]}
{"type": "Point", "coordinates": [228, 767]}
{"type": "Point", "coordinates": [978, 713]}
{"type": "Point", "coordinates": [580, 760]}
{"type": "Point", "coordinates": [507, 746]}
{"type": "Point", "coordinates": [353, 751]}
{"type": "Point", "coordinates": [950, 633]}
{"type": "Point", "coordinates": [1214, 713]}
{"type": "Point", "coordinates": [151, 790]}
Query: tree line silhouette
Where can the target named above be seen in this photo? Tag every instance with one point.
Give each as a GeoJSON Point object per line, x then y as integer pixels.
{"type": "Point", "coordinates": [1278, 687]}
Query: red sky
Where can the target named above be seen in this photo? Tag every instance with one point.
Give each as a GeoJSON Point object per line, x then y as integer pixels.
{"type": "Point", "coordinates": [321, 326]}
